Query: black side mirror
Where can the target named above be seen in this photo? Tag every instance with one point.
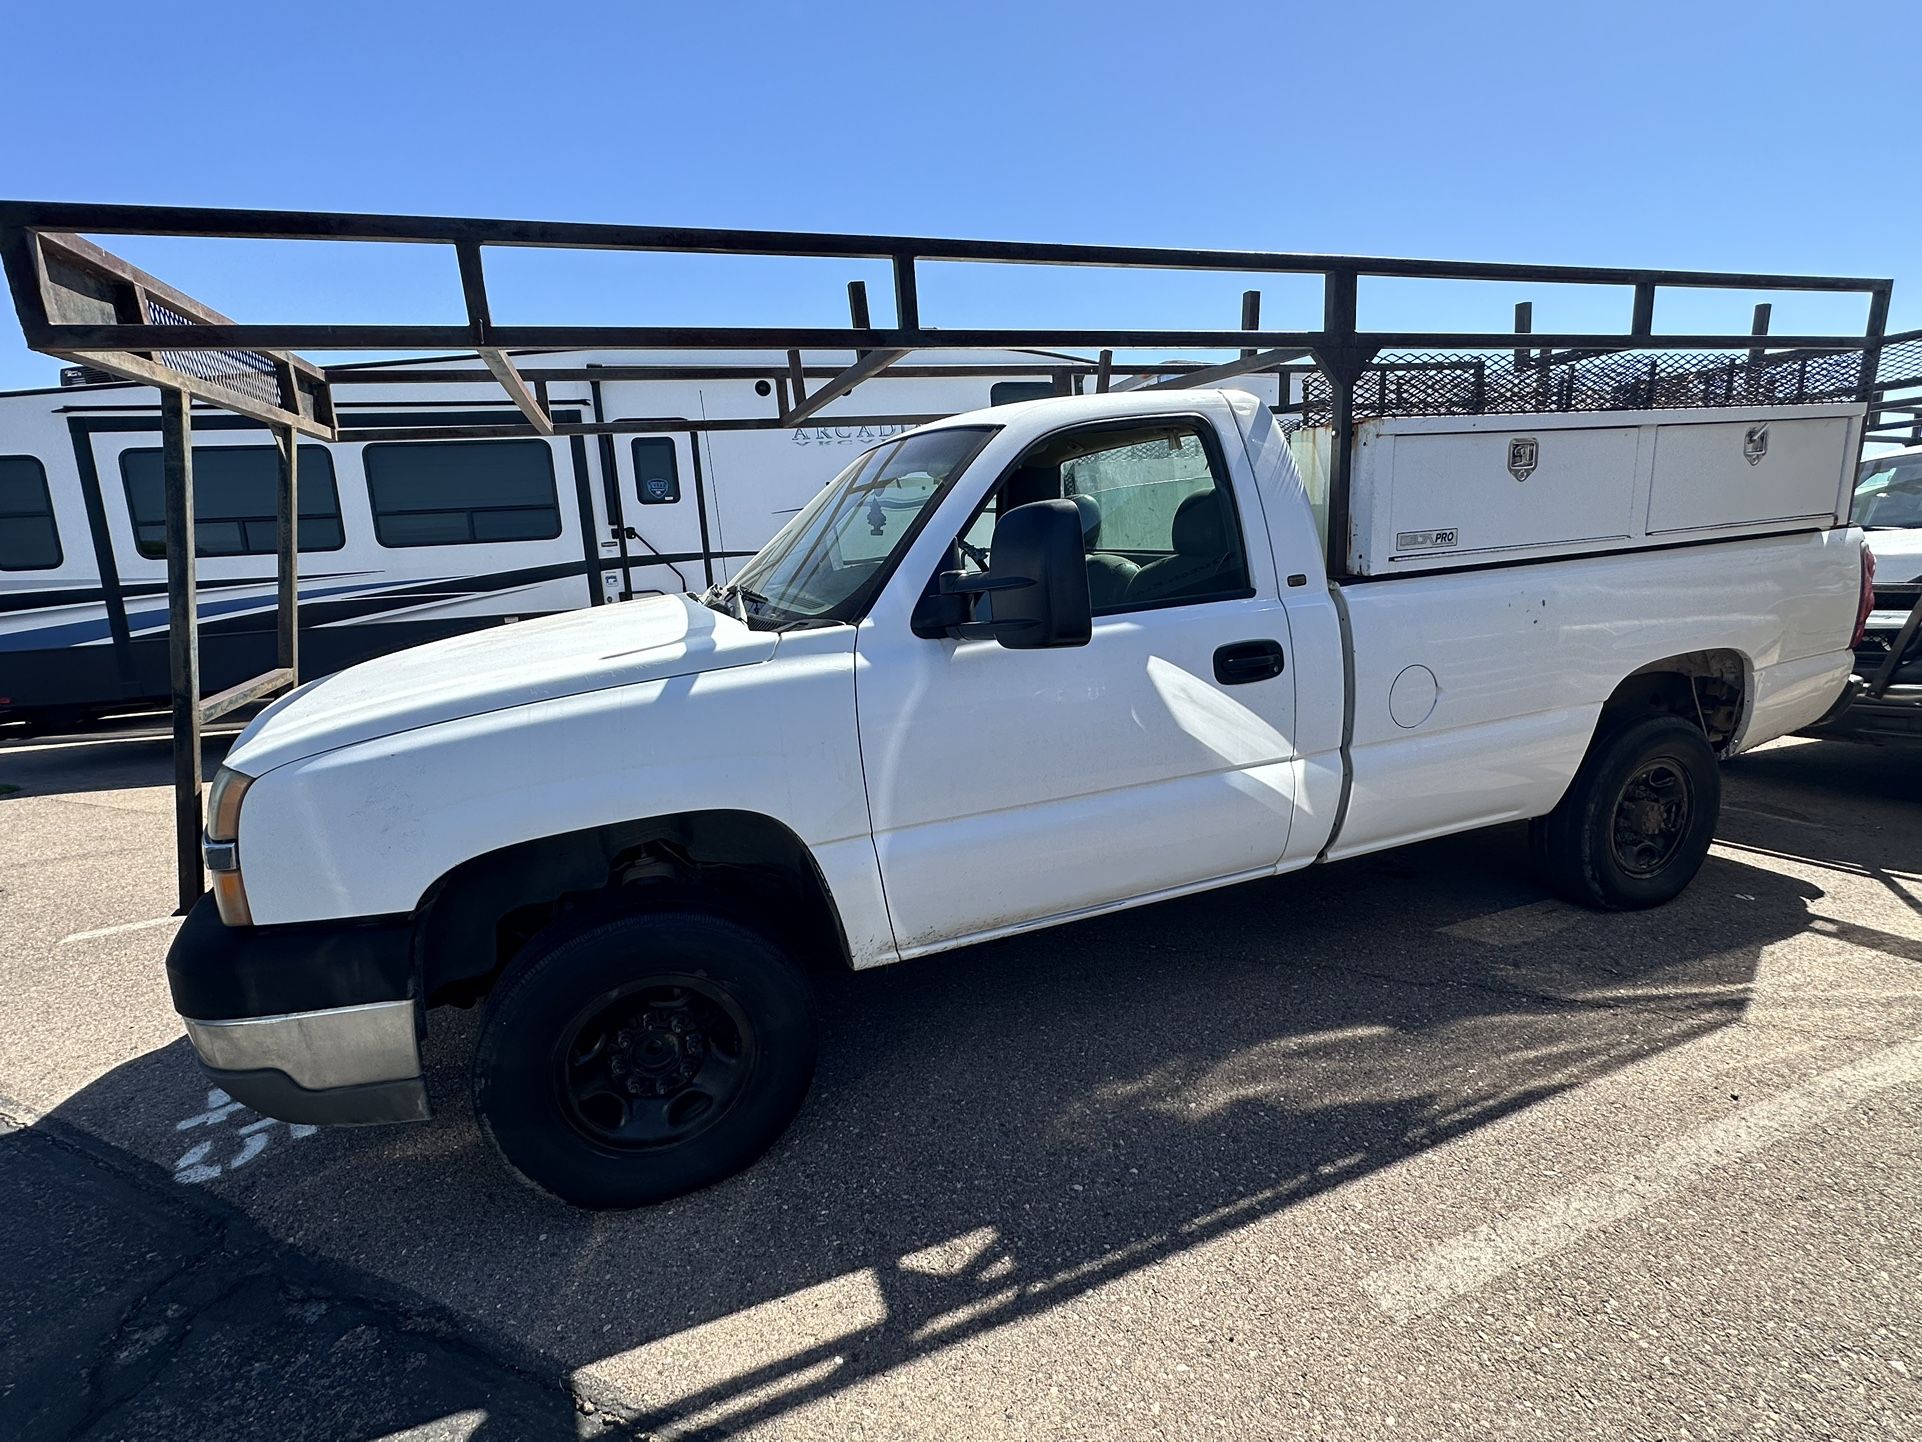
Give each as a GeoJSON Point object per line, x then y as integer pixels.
{"type": "Point", "coordinates": [1038, 578]}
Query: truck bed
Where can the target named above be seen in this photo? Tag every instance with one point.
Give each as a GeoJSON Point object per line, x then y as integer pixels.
{"type": "Point", "coordinates": [1476, 694]}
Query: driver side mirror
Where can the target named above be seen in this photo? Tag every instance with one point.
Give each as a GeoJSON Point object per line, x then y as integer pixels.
{"type": "Point", "coordinates": [1038, 576]}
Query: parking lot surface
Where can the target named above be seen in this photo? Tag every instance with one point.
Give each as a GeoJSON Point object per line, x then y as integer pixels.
{"type": "Point", "coordinates": [1392, 1147]}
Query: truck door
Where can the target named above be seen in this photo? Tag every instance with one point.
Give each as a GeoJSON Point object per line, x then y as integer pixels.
{"type": "Point", "coordinates": [1007, 786]}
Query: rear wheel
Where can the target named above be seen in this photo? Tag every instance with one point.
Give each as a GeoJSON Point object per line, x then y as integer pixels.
{"type": "Point", "coordinates": [629, 1059]}
{"type": "Point", "coordinates": [1637, 821]}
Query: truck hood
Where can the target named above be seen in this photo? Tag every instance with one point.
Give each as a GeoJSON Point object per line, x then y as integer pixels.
{"type": "Point", "coordinates": [565, 655]}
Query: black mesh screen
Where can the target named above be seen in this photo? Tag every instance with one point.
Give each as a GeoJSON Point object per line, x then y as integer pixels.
{"type": "Point", "coordinates": [247, 372]}
{"type": "Point", "coordinates": [1458, 383]}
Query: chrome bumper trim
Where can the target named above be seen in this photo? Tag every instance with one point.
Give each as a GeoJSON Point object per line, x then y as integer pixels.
{"type": "Point", "coordinates": [341, 1047]}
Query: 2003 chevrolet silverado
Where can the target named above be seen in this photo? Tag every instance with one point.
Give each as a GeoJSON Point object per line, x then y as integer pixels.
{"type": "Point", "coordinates": [1014, 668]}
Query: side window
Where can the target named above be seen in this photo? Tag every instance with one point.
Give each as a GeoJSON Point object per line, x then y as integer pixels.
{"type": "Point", "coordinates": [657, 474]}
{"type": "Point", "coordinates": [451, 493]}
{"type": "Point", "coordinates": [28, 540]}
{"type": "Point", "coordinates": [235, 498]}
{"type": "Point", "coordinates": [1139, 487]}
{"type": "Point", "coordinates": [979, 536]}
{"type": "Point", "coordinates": [1158, 522]}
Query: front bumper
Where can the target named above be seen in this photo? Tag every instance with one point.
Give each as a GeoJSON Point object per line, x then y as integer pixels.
{"type": "Point", "coordinates": [310, 1023]}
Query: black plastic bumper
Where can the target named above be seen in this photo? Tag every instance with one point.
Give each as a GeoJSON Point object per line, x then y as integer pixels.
{"type": "Point", "coordinates": [219, 972]}
{"type": "Point", "coordinates": [311, 1023]}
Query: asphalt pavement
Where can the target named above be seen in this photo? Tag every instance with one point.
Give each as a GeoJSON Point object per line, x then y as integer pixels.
{"type": "Point", "coordinates": [1396, 1147]}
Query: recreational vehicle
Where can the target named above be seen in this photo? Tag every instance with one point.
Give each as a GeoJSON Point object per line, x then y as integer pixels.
{"type": "Point", "coordinates": [404, 541]}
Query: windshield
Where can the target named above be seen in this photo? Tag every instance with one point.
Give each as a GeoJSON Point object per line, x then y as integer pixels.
{"type": "Point", "coordinates": [1889, 495]}
{"type": "Point", "coordinates": [826, 563]}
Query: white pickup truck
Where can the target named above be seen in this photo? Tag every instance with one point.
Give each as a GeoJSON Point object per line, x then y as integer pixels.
{"type": "Point", "coordinates": [1014, 668]}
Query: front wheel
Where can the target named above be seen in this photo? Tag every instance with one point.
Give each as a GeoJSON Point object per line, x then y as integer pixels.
{"type": "Point", "coordinates": [628, 1059]}
{"type": "Point", "coordinates": [1637, 821]}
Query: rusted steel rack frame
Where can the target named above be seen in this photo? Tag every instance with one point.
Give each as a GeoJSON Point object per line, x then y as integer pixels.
{"type": "Point", "coordinates": [82, 303]}
{"type": "Point", "coordinates": [190, 711]}
{"type": "Point", "coordinates": [1900, 645]}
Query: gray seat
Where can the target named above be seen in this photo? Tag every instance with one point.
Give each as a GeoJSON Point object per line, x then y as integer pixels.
{"type": "Point", "coordinates": [1108, 575]}
{"type": "Point", "coordinates": [1204, 560]}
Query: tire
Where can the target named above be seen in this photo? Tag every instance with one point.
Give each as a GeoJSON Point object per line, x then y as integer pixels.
{"type": "Point", "coordinates": [628, 1059]}
{"type": "Point", "coordinates": [1637, 821]}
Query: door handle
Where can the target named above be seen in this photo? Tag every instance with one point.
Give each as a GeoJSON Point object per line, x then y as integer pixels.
{"type": "Point", "coordinates": [1240, 662]}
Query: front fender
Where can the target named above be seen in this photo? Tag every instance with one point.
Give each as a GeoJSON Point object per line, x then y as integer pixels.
{"type": "Point", "coordinates": [366, 829]}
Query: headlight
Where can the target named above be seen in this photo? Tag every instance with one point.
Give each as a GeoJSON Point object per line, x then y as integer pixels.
{"type": "Point", "coordinates": [223, 804]}
{"type": "Point", "coordinates": [222, 846]}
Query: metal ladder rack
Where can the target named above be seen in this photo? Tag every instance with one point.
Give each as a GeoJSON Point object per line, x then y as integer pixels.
{"type": "Point", "coordinates": [84, 304]}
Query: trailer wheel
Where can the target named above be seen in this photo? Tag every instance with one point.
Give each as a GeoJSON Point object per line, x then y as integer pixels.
{"type": "Point", "coordinates": [1636, 823]}
{"type": "Point", "coordinates": [628, 1059]}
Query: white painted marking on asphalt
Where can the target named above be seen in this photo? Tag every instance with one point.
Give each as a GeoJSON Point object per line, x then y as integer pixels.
{"type": "Point", "coordinates": [198, 1163]}
{"type": "Point", "coordinates": [117, 930]}
{"type": "Point", "coordinates": [220, 1106]}
{"type": "Point", "coordinates": [1473, 1259]}
{"type": "Point", "coordinates": [191, 1169]}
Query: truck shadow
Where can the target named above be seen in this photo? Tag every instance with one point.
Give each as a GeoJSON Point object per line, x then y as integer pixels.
{"type": "Point", "coordinates": [1776, 801]}
{"type": "Point", "coordinates": [999, 1131]}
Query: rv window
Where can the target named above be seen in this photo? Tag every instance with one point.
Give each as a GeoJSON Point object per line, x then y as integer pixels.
{"type": "Point", "coordinates": [657, 475]}
{"type": "Point", "coordinates": [451, 493]}
{"type": "Point", "coordinates": [1006, 393]}
{"type": "Point", "coordinates": [235, 489]}
{"type": "Point", "coordinates": [28, 540]}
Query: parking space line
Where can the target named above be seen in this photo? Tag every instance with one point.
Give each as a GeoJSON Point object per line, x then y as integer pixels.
{"type": "Point", "coordinates": [117, 930]}
{"type": "Point", "coordinates": [1473, 1259]}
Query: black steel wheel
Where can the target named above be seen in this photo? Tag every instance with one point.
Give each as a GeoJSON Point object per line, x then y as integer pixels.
{"type": "Point", "coordinates": [1652, 817]}
{"type": "Point", "coordinates": [1637, 821]}
{"type": "Point", "coordinates": [656, 1063]}
{"type": "Point", "coordinates": [626, 1059]}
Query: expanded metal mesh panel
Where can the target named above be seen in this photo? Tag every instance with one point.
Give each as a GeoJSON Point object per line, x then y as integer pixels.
{"type": "Point", "coordinates": [247, 372]}
{"type": "Point", "coordinates": [1458, 383]}
{"type": "Point", "coordinates": [1901, 365]}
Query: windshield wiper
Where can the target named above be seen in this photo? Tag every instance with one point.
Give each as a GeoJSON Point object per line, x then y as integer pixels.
{"type": "Point", "coordinates": [733, 600]}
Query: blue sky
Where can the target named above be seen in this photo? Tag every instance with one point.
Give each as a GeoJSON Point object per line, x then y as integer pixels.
{"type": "Point", "coordinates": [1715, 136]}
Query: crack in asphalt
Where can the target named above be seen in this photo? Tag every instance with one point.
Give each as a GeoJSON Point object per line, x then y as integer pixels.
{"type": "Point", "coordinates": [235, 1274]}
